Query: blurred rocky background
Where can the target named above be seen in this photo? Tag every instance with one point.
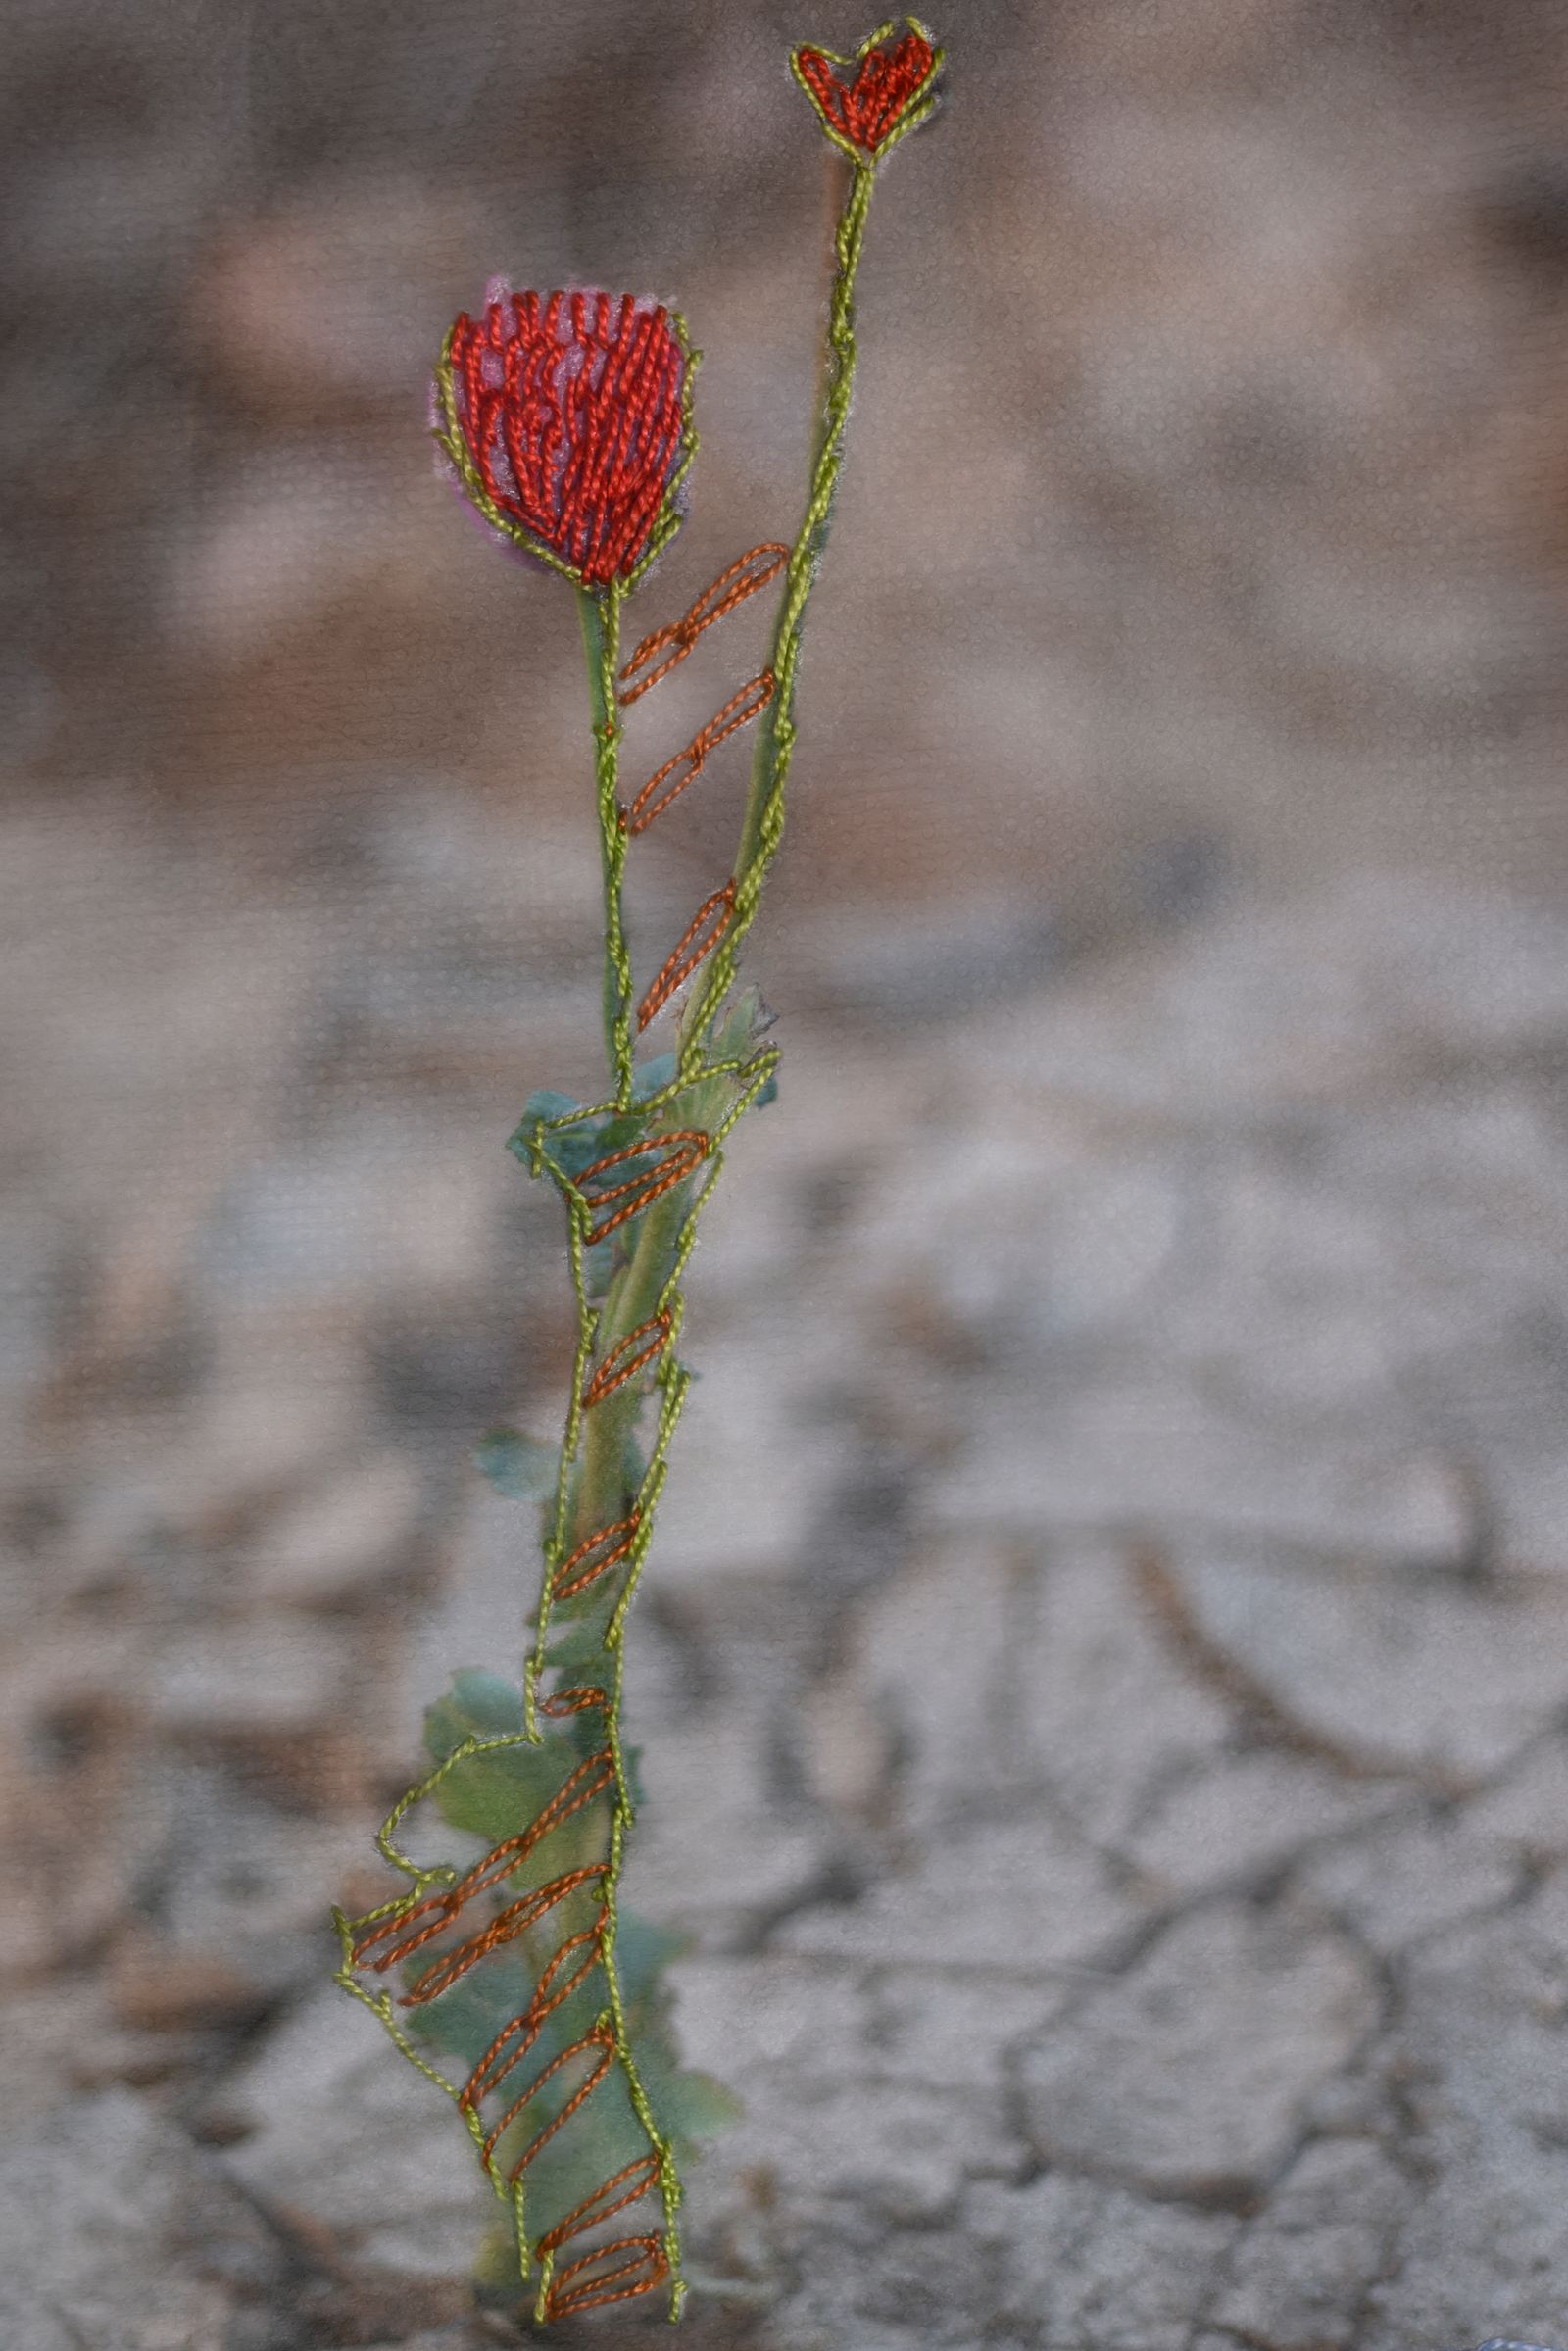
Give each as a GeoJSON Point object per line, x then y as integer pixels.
{"type": "Point", "coordinates": [1104, 1672]}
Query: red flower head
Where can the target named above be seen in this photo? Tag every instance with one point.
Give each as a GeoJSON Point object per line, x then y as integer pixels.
{"type": "Point", "coordinates": [891, 95]}
{"type": "Point", "coordinates": [568, 419]}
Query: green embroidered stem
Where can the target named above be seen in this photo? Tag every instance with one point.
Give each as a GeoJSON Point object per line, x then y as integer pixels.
{"type": "Point", "coordinates": [600, 615]}
{"type": "Point", "coordinates": [541, 1987]}
{"type": "Point", "coordinates": [762, 826]}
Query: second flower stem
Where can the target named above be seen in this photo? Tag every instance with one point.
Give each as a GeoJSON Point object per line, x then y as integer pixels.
{"type": "Point", "coordinates": [600, 616]}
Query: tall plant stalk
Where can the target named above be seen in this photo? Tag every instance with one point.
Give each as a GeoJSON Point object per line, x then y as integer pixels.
{"type": "Point", "coordinates": [566, 422]}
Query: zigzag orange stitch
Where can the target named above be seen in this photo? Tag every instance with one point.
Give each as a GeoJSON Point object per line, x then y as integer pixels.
{"type": "Point", "coordinates": [748, 704]}
{"type": "Point", "coordinates": [593, 2209]}
{"type": "Point", "coordinates": [503, 1927]}
{"type": "Point", "coordinates": [689, 949]}
{"type": "Point", "coordinates": [717, 599]}
{"type": "Point", "coordinates": [601, 2039]}
{"type": "Point", "coordinates": [620, 1537]}
{"type": "Point", "coordinates": [575, 1700]}
{"type": "Point", "coordinates": [684, 1148]}
{"type": "Point", "coordinates": [558, 2304]}
{"type": "Point", "coordinates": [614, 1372]}
{"type": "Point", "coordinates": [487, 2075]}
{"type": "Point", "coordinates": [597, 1770]}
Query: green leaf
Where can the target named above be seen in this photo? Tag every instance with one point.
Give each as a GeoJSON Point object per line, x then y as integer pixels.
{"type": "Point", "coordinates": [524, 1468]}
{"type": "Point", "coordinates": [499, 1791]}
{"type": "Point", "coordinates": [654, 1076]}
{"type": "Point", "coordinates": [692, 2107]}
{"type": "Point", "coordinates": [478, 1705]}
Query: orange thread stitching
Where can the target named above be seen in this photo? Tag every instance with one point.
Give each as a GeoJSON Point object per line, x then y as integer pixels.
{"type": "Point", "coordinates": [503, 1927]}
{"type": "Point", "coordinates": [684, 1148]}
{"type": "Point", "coordinates": [597, 1772]}
{"type": "Point", "coordinates": [620, 1537]}
{"type": "Point", "coordinates": [558, 2304]}
{"type": "Point", "coordinates": [593, 2209]}
{"type": "Point", "coordinates": [621, 1365]}
{"type": "Point", "coordinates": [748, 704]}
{"type": "Point", "coordinates": [487, 2075]}
{"type": "Point", "coordinates": [601, 2039]}
{"type": "Point", "coordinates": [717, 599]}
{"type": "Point", "coordinates": [718, 912]}
{"type": "Point", "coordinates": [575, 1700]}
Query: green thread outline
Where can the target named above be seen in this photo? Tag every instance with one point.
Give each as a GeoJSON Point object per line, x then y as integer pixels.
{"type": "Point", "coordinates": [450, 438]}
{"type": "Point", "coordinates": [919, 105]}
{"type": "Point", "coordinates": [650, 1282]}
{"type": "Point", "coordinates": [599, 613]}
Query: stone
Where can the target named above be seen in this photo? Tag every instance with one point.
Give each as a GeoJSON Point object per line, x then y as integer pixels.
{"type": "Point", "coordinates": [752, 1423]}
{"type": "Point", "coordinates": [1017, 1895]}
{"type": "Point", "coordinates": [738, 2013]}
{"type": "Point", "coordinates": [1446, 1681]}
{"type": "Point", "coordinates": [53, 2025]}
{"type": "Point", "coordinates": [1247, 1815]}
{"type": "Point", "coordinates": [899, 2151]}
{"type": "Point", "coordinates": [713, 1847]}
{"type": "Point", "coordinates": [1188, 2075]}
{"type": "Point", "coordinates": [1406, 1879]}
{"type": "Point", "coordinates": [1343, 987]}
{"type": "Point", "coordinates": [256, 1881]}
{"type": "Point", "coordinates": [1478, 2046]}
{"type": "Point", "coordinates": [1131, 1450]}
{"type": "Point", "coordinates": [259, 1677]}
{"type": "Point", "coordinates": [881, 2285]}
{"type": "Point", "coordinates": [159, 1987]}
{"type": "Point", "coordinates": [955, 2028]}
{"type": "Point", "coordinates": [1527, 1810]}
{"type": "Point", "coordinates": [1107, 1715]}
{"type": "Point", "coordinates": [341, 2131]}
{"type": "Point", "coordinates": [1083, 2262]}
{"type": "Point", "coordinates": [1298, 2273]}
{"type": "Point", "coordinates": [930, 1658]}
{"type": "Point", "coordinates": [116, 2230]}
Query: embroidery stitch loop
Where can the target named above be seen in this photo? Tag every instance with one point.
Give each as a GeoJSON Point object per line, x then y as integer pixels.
{"type": "Point", "coordinates": [681, 1152]}
{"type": "Point", "coordinates": [506, 1927]}
{"type": "Point", "coordinates": [560, 2304]}
{"type": "Point", "coordinates": [697, 940]}
{"type": "Point", "coordinates": [595, 1556]}
{"type": "Point", "coordinates": [742, 707]}
{"type": "Point", "coordinates": [742, 578]}
{"type": "Point", "coordinates": [627, 1359]}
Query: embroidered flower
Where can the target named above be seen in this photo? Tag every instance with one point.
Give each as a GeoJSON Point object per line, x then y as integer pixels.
{"type": "Point", "coordinates": [568, 419]}
{"type": "Point", "coordinates": [891, 95]}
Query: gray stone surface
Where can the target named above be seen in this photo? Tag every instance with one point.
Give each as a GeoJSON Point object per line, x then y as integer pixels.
{"type": "Point", "coordinates": [1110, 1762]}
{"type": "Point", "coordinates": [1078, 2260]}
{"type": "Point", "coordinates": [1300, 2274]}
{"type": "Point", "coordinates": [332, 2136]}
{"type": "Point", "coordinates": [1452, 1683]}
{"type": "Point", "coordinates": [1191, 2075]}
{"type": "Point", "coordinates": [115, 2230]}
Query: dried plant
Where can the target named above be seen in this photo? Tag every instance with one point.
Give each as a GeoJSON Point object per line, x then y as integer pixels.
{"type": "Point", "coordinates": [517, 1982]}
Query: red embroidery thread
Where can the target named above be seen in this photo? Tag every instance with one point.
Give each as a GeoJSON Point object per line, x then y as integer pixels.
{"type": "Point", "coordinates": [572, 412]}
{"type": "Point", "coordinates": [867, 114]}
{"type": "Point", "coordinates": [595, 1557]}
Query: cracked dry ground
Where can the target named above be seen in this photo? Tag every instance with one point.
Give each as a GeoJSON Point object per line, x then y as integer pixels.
{"type": "Point", "coordinates": [1113, 1766]}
